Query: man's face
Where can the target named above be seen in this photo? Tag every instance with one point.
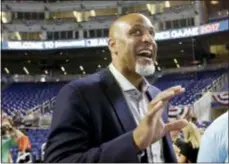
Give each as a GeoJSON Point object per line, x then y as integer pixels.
{"type": "Point", "coordinates": [136, 47]}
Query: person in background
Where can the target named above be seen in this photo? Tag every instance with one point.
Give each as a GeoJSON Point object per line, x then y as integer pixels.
{"type": "Point", "coordinates": [24, 147]}
{"type": "Point", "coordinates": [176, 137]}
{"type": "Point", "coordinates": [189, 145]}
{"type": "Point", "coordinates": [214, 142]}
{"type": "Point", "coordinates": [17, 119]}
{"type": "Point", "coordinates": [10, 158]}
{"type": "Point", "coordinates": [9, 138]}
{"type": "Point", "coordinates": [176, 134]}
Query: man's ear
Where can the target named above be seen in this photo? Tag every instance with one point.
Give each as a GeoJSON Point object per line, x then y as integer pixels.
{"type": "Point", "coordinates": [112, 46]}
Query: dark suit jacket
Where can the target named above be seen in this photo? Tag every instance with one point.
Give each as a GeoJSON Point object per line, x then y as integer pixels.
{"type": "Point", "coordinates": [92, 123]}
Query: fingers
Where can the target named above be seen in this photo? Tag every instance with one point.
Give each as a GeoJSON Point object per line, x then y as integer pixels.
{"type": "Point", "coordinates": [155, 106]}
{"type": "Point", "coordinates": [166, 95]}
{"type": "Point", "coordinates": [175, 125]}
{"type": "Point", "coordinates": [170, 93]}
{"type": "Point", "coordinates": [163, 96]}
{"type": "Point", "coordinates": [153, 102]}
{"type": "Point", "coordinates": [154, 109]}
{"type": "Point", "coordinates": [177, 89]}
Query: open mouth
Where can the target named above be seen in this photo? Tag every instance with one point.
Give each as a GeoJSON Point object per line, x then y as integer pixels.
{"type": "Point", "coordinates": [145, 53]}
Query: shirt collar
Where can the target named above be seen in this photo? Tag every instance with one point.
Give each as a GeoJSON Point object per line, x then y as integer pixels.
{"type": "Point", "coordinates": [124, 83]}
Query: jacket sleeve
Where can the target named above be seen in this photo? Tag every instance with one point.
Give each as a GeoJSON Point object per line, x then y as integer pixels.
{"type": "Point", "coordinates": [70, 135]}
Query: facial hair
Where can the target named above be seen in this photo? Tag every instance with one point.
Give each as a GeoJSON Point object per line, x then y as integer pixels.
{"type": "Point", "coordinates": [145, 70]}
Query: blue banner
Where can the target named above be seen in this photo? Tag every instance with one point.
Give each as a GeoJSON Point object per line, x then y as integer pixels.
{"type": "Point", "coordinates": [101, 42]}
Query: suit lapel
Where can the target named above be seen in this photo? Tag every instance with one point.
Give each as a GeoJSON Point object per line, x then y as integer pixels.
{"type": "Point", "coordinates": [119, 104]}
{"type": "Point", "coordinates": [117, 99]}
{"type": "Point", "coordinates": [167, 141]}
{"type": "Point", "coordinates": [151, 94]}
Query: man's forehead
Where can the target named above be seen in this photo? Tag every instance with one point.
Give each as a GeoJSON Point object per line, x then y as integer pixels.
{"type": "Point", "coordinates": [129, 27]}
{"type": "Point", "coordinates": [127, 22]}
{"type": "Point", "coordinates": [138, 25]}
{"type": "Point", "coordinates": [142, 20]}
{"type": "Point", "coordinates": [137, 22]}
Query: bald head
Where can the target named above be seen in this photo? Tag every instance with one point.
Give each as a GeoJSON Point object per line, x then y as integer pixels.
{"type": "Point", "coordinates": [132, 45]}
{"type": "Point", "coordinates": [124, 21]}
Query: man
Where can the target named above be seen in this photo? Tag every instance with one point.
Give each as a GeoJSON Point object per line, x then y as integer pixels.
{"type": "Point", "coordinates": [214, 143]}
{"type": "Point", "coordinates": [115, 115]}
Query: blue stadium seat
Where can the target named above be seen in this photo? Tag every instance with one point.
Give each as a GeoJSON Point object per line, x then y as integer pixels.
{"type": "Point", "coordinates": [194, 83]}
{"type": "Point", "coordinates": [25, 96]}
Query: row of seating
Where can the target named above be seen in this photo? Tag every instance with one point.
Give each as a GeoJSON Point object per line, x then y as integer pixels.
{"type": "Point", "coordinates": [23, 96]}
{"type": "Point", "coordinates": [193, 83]}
